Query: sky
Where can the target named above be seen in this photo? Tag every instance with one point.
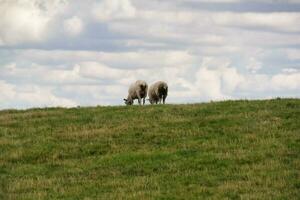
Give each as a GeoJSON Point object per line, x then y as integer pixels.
{"type": "Point", "coordinates": [85, 53]}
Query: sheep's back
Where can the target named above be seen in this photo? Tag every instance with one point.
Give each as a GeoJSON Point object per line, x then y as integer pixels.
{"type": "Point", "coordinates": [152, 91]}
{"type": "Point", "coordinates": [139, 87]}
{"type": "Point", "coordinates": [157, 89]}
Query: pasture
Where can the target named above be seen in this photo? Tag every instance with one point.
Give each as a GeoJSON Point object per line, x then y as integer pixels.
{"type": "Point", "coordinates": [218, 150]}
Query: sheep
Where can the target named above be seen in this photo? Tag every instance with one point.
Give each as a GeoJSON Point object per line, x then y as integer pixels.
{"type": "Point", "coordinates": [137, 90]}
{"type": "Point", "coordinates": [157, 92]}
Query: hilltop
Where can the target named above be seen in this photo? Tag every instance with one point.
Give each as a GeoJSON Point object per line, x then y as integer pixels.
{"type": "Point", "coordinates": [231, 149]}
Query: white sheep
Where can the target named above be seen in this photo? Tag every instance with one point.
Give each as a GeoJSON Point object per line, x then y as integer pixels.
{"type": "Point", "coordinates": [157, 92]}
{"type": "Point", "coordinates": [137, 90]}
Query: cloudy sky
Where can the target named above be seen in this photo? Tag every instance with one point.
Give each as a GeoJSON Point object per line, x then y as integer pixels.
{"type": "Point", "coordinates": [73, 52]}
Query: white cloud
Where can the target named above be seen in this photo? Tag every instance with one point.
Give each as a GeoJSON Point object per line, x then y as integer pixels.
{"type": "Point", "coordinates": [289, 70]}
{"type": "Point", "coordinates": [142, 43]}
{"type": "Point", "coordinates": [43, 75]}
{"type": "Point", "coordinates": [25, 96]}
{"type": "Point", "coordinates": [100, 71]}
{"type": "Point", "coordinates": [293, 54]}
{"type": "Point", "coordinates": [240, 1]}
{"type": "Point", "coordinates": [288, 22]}
{"type": "Point", "coordinates": [211, 1]}
{"type": "Point", "coordinates": [25, 20]}
{"type": "Point", "coordinates": [195, 28]}
{"type": "Point", "coordinates": [125, 60]}
{"type": "Point", "coordinates": [60, 76]}
{"type": "Point", "coordinates": [212, 62]}
{"type": "Point", "coordinates": [114, 9]}
{"type": "Point", "coordinates": [286, 81]}
{"type": "Point", "coordinates": [7, 91]}
{"type": "Point", "coordinates": [209, 83]}
{"type": "Point", "coordinates": [253, 65]}
{"type": "Point", "coordinates": [73, 26]}
{"type": "Point", "coordinates": [91, 82]}
{"type": "Point", "coordinates": [217, 83]}
{"type": "Point", "coordinates": [21, 22]}
{"type": "Point", "coordinates": [202, 55]}
{"type": "Point", "coordinates": [231, 79]}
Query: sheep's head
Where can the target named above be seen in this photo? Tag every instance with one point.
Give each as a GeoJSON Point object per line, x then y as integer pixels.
{"type": "Point", "coordinates": [143, 87]}
{"type": "Point", "coordinates": [128, 102]}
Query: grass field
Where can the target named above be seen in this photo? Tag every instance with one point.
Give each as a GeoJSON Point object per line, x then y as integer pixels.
{"type": "Point", "coordinates": [218, 150]}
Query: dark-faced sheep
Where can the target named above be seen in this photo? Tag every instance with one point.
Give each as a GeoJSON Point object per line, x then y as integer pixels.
{"type": "Point", "coordinates": [137, 90]}
{"type": "Point", "coordinates": [157, 92]}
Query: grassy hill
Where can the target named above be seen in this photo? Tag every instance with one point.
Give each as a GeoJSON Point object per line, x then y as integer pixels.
{"type": "Point", "coordinates": [231, 149]}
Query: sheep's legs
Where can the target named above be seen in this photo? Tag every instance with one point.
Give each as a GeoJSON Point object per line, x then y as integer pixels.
{"type": "Point", "coordinates": [164, 99]}
{"type": "Point", "coordinates": [139, 99]}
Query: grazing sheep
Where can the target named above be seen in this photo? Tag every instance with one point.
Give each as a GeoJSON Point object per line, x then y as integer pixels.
{"type": "Point", "coordinates": [137, 90]}
{"type": "Point", "coordinates": [157, 92]}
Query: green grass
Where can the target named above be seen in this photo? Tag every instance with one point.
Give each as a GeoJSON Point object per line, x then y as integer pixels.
{"type": "Point", "coordinates": [218, 150]}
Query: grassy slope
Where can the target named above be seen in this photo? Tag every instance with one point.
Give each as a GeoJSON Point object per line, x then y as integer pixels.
{"type": "Point", "coordinates": [232, 149]}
